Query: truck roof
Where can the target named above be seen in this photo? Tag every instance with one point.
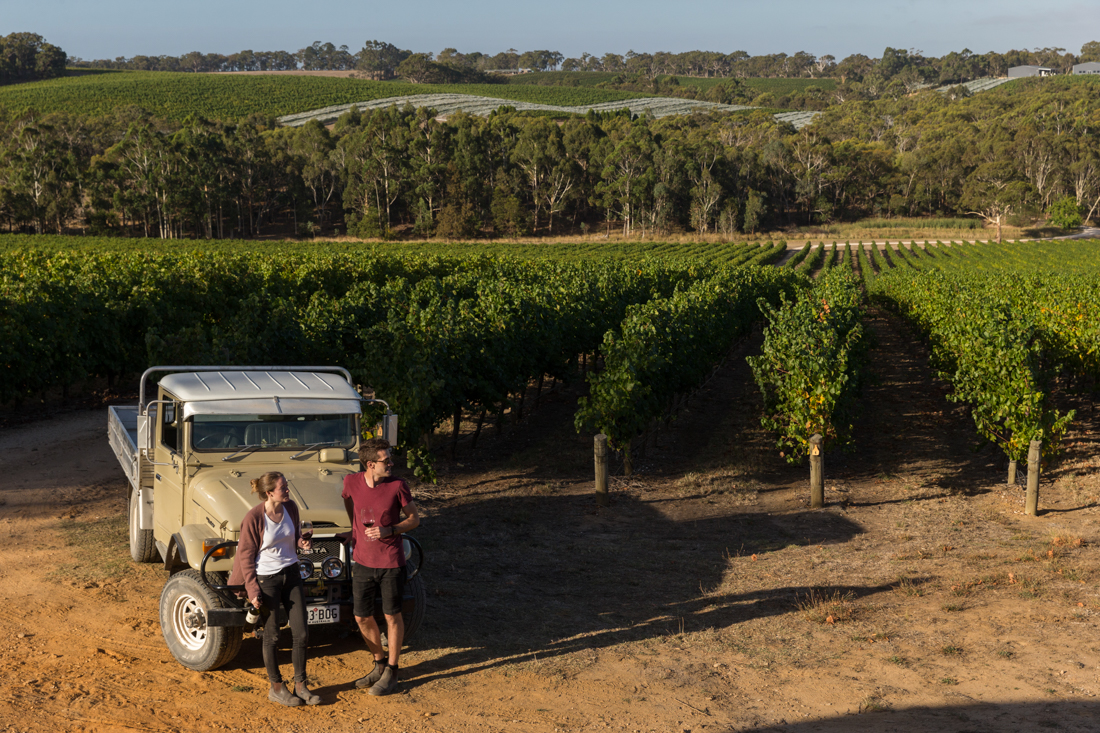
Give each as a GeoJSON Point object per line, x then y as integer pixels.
{"type": "Point", "coordinates": [251, 385]}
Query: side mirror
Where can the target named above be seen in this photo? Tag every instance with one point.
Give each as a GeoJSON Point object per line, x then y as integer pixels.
{"type": "Point", "coordinates": [145, 425]}
{"type": "Point", "coordinates": [389, 428]}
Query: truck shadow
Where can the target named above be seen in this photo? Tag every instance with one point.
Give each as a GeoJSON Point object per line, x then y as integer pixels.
{"type": "Point", "coordinates": [514, 578]}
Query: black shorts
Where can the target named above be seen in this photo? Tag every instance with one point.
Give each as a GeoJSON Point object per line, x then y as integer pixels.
{"type": "Point", "coordinates": [365, 583]}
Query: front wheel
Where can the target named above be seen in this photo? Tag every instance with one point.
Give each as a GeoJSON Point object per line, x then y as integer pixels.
{"type": "Point", "coordinates": [142, 546]}
{"type": "Point", "coordinates": [184, 603]}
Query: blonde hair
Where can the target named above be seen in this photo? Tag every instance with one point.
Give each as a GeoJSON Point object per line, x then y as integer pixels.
{"type": "Point", "coordinates": [265, 484]}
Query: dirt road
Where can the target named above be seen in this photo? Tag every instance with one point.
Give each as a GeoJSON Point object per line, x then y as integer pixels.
{"type": "Point", "coordinates": [708, 598]}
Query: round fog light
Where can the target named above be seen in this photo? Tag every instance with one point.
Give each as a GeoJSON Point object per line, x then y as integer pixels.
{"type": "Point", "coordinates": [305, 568]}
{"type": "Point", "coordinates": [332, 567]}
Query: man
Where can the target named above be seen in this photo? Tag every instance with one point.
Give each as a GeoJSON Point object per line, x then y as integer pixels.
{"type": "Point", "coordinates": [375, 502]}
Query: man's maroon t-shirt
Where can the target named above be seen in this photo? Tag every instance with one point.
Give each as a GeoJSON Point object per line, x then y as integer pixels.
{"type": "Point", "coordinates": [385, 500]}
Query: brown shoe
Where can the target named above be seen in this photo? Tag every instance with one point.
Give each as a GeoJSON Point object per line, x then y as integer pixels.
{"type": "Point", "coordinates": [374, 676]}
{"type": "Point", "coordinates": [386, 683]}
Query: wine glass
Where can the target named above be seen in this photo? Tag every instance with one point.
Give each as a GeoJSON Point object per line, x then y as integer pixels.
{"type": "Point", "coordinates": [366, 516]}
{"type": "Point", "coordinates": [307, 530]}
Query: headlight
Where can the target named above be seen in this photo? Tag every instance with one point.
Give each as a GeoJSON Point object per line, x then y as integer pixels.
{"type": "Point", "coordinates": [332, 567]}
{"type": "Point", "coordinates": [305, 568]}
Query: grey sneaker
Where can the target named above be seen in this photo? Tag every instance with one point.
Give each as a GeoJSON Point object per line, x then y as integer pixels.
{"type": "Point", "coordinates": [374, 676]}
{"type": "Point", "coordinates": [284, 696]}
{"type": "Point", "coordinates": [386, 684]}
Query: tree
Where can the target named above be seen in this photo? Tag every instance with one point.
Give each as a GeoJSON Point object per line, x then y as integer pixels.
{"type": "Point", "coordinates": [1090, 52]}
{"type": "Point", "coordinates": [420, 69]}
{"type": "Point", "coordinates": [313, 146]}
{"type": "Point", "coordinates": [380, 57]}
{"type": "Point", "coordinates": [1065, 214]}
{"type": "Point", "coordinates": [755, 210]}
{"type": "Point", "coordinates": [27, 56]}
{"type": "Point", "coordinates": [628, 175]}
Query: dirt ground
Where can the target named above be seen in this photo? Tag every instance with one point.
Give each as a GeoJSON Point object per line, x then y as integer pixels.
{"type": "Point", "coordinates": [708, 597]}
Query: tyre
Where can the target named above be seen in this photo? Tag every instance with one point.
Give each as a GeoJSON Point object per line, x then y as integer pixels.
{"type": "Point", "coordinates": [142, 546]}
{"type": "Point", "coordinates": [183, 605]}
{"type": "Point", "coordinates": [415, 617]}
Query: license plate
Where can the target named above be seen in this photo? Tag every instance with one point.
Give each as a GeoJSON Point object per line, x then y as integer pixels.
{"type": "Point", "coordinates": [323, 614]}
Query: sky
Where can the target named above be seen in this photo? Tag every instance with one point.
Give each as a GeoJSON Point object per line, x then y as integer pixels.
{"type": "Point", "coordinates": [112, 28]}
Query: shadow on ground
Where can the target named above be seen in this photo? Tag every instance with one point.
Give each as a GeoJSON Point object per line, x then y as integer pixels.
{"type": "Point", "coordinates": [1062, 715]}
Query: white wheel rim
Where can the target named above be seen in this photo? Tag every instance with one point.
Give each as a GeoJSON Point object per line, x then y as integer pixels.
{"type": "Point", "coordinates": [192, 638]}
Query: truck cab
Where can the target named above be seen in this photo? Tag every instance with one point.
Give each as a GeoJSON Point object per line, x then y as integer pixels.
{"type": "Point", "coordinates": [190, 455]}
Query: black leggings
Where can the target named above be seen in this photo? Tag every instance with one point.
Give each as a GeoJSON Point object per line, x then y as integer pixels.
{"type": "Point", "coordinates": [285, 588]}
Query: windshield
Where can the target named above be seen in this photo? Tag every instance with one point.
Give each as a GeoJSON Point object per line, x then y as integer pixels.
{"type": "Point", "coordinates": [271, 432]}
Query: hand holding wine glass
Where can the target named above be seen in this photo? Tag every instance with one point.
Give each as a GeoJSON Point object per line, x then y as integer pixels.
{"type": "Point", "coordinates": [306, 542]}
{"type": "Point", "coordinates": [366, 516]}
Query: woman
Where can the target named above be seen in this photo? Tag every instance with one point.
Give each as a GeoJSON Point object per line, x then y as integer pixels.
{"type": "Point", "coordinates": [266, 564]}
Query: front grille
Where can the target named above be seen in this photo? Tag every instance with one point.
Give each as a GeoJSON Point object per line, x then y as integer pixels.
{"type": "Point", "coordinates": [325, 547]}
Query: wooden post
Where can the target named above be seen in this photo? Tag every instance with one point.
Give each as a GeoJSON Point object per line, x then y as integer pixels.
{"type": "Point", "coordinates": [455, 430]}
{"type": "Point", "coordinates": [1012, 473]}
{"type": "Point", "coordinates": [628, 464]}
{"type": "Point", "coordinates": [477, 432]}
{"type": "Point", "coordinates": [817, 472]}
{"type": "Point", "coordinates": [1031, 505]}
{"type": "Point", "coordinates": [602, 497]}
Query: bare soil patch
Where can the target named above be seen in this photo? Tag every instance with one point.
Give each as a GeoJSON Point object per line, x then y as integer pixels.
{"type": "Point", "coordinates": [708, 597]}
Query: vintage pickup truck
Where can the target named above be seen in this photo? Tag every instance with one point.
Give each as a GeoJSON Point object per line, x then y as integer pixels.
{"type": "Point", "coordinates": [189, 456]}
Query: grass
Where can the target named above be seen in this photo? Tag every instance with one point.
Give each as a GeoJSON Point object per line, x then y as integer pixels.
{"type": "Point", "coordinates": [909, 588]}
{"type": "Point", "coordinates": [873, 704]}
{"type": "Point", "coordinates": [102, 550]}
{"type": "Point", "coordinates": [955, 223]}
{"type": "Point", "coordinates": [821, 607]}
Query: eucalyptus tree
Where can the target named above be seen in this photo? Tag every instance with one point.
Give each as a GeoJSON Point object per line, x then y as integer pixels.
{"type": "Point", "coordinates": [429, 151]}
{"type": "Point", "coordinates": [628, 176]}
{"type": "Point", "coordinates": [374, 159]}
{"type": "Point", "coordinates": [312, 145]}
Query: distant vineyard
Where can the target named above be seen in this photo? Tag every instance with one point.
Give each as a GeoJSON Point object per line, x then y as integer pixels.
{"type": "Point", "coordinates": [593, 78]}
{"type": "Point", "coordinates": [175, 96]}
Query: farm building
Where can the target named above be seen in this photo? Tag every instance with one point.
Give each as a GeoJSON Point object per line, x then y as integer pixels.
{"type": "Point", "coordinates": [1090, 67]}
{"type": "Point", "coordinates": [1017, 72]}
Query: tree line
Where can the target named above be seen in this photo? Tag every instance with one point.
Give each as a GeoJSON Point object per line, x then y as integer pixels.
{"type": "Point", "coordinates": [1007, 157]}
{"type": "Point", "coordinates": [27, 57]}
{"type": "Point", "coordinates": [376, 57]}
{"type": "Point", "coordinates": [910, 66]}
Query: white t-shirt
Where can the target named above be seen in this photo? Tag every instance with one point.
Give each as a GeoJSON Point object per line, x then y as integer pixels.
{"type": "Point", "coordinates": [277, 548]}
